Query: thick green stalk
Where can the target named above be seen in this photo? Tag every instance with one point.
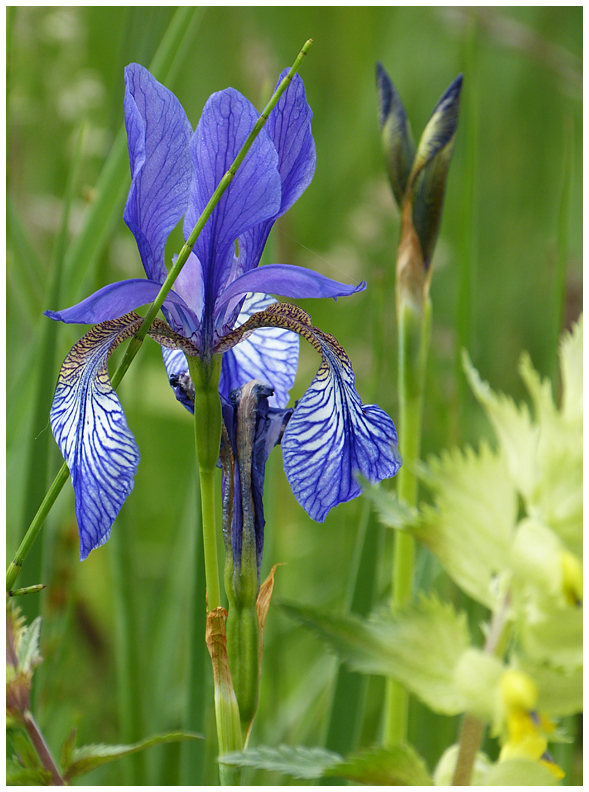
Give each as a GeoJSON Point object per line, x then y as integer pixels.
{"type": "Point", "coordinates": [207, 435]}
{"type": "Point", "coordinates": [414, 332]}
{"type": "Point", "coordinates": [136, 342]}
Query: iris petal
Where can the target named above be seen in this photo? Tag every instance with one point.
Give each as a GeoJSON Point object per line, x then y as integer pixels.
{"type": "Point", "coordinates": [116, 299]}
{"type": "Point", "coordinates": [289, 128]}
{"type": "Point", "coordinates": [269, 355]}
{"type": "Point", "coordinates": [287, 280]}
{"type": "Point", "coordinates": [332, 436]}
{"type": "Point", "coordinates": [91, 431]}
{"type": "Point", "coordinates": [179, 377]}
{"type": "Point", "coordinates": [158, 134]}
{"type": "Point", "coordinates": [253, 195]}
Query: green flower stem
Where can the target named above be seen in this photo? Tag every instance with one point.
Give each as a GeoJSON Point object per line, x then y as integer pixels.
{"type": "Point", "coordinates": [135, 344]}
{"type": "Point", "coordinates": [414, 333]}
{"type": "Point", "coordinates": [207, 435]}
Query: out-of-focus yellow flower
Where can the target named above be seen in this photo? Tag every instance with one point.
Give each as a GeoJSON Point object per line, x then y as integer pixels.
{"type": "Point", "coordinates": [526, 730]}
{"type": "Point", "coordinates": [572, 578]}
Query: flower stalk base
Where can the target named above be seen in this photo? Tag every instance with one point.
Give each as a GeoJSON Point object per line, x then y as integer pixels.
{"type": "Point", "coordinates": [414, 335]}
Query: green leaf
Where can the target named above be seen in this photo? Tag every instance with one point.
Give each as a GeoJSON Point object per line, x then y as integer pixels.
{"type": "Point", "coordinates": [398, 765]}
{"type": "Point", "coordinates": [544, 456]}
{"type": "Point", "coordinates": [89, 757]}
{"type": "Point", "coordinates": [67, 749]}
{"type": "Point", "coordinates": [28, 646]}
{"type": "Point", "coordinates": [470, 526]}
{"type": "Point", "coordinates": [520, 772]}
{"type": "Point", "coordinates": [299, 762]}
{"type": "Point", "coordinates": [27, 757]}
{"type": "Point", "coordinates": [17, 775]}
{"type": "Point", "coordinates": [420, 647]}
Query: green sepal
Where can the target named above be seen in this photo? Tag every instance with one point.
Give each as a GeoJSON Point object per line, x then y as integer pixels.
{"type": "Point", "coordinates": [560, 690]}
{"type": "Point", "coordinates": [400, 647]}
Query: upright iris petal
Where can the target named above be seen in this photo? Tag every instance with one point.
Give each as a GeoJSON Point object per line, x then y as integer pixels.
{"type": "Point", "coordinates": [158, 134]}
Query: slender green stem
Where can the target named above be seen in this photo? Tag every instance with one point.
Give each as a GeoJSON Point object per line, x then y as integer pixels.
{"type": "Point", "coordinates": [35, 526]}
{"type": "Point", "coordinates": [414, 331]}
{"type": "Point", "coordinates": [135, 344]}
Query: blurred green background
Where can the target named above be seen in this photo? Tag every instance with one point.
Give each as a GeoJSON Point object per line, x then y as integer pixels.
{"type": "Point", "coordinates": [117, 632]}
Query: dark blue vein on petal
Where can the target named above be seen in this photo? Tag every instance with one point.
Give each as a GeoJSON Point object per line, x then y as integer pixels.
{"type": "Point", "coordinates": [332, 436]}
{"type": "Point", "coordinates": [91, 431]}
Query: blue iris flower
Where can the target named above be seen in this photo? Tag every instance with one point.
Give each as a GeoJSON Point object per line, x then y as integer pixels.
{"type": "Point", "coordinates": [220, 304]}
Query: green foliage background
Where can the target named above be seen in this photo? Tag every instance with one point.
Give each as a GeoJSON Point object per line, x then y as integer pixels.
{"type": "Point", "coordinates": [520, 113]}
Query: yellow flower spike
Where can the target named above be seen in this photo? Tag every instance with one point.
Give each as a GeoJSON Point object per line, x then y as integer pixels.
{"type": "Point", "coordinates": [518, 691]}
{"type": "Point", "coordinates": [526, 729]}
{"type": "Point", "coordinates": [572, 578]}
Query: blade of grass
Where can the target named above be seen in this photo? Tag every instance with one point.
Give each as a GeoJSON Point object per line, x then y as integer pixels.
{"type": "Point", "coordinates": [39, 443]}
{"type": "Point", "coordinates": [25, 269]}
{"type": "Point", "coordinates": [468, 251]}
{"type": "Point", "coordinates": [128, 655]}
{"type": "Point", "coordinates": [562, 245]}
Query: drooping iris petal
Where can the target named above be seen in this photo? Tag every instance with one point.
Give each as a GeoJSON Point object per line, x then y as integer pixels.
{"type": "Point", "coordinates": [92, 433]}
{"type": "Point", "coordinates": [117, 299]}
{"type": "Point", "coordinates": [269, 355]}
{"type": "Point", "coordinates": [286, 280]}
{"type": "Point", "coordinates": [158, 134]}
{"type": "Point", "coordinates": [332, 436]}
{"type": "Point", "coordinates": [253, 195]}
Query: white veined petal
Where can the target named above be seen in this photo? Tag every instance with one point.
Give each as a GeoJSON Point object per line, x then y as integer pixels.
{"type": "Point", "coordinates": [91, 431]}
{"type": "Point", "coordinates": [332, 436]}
